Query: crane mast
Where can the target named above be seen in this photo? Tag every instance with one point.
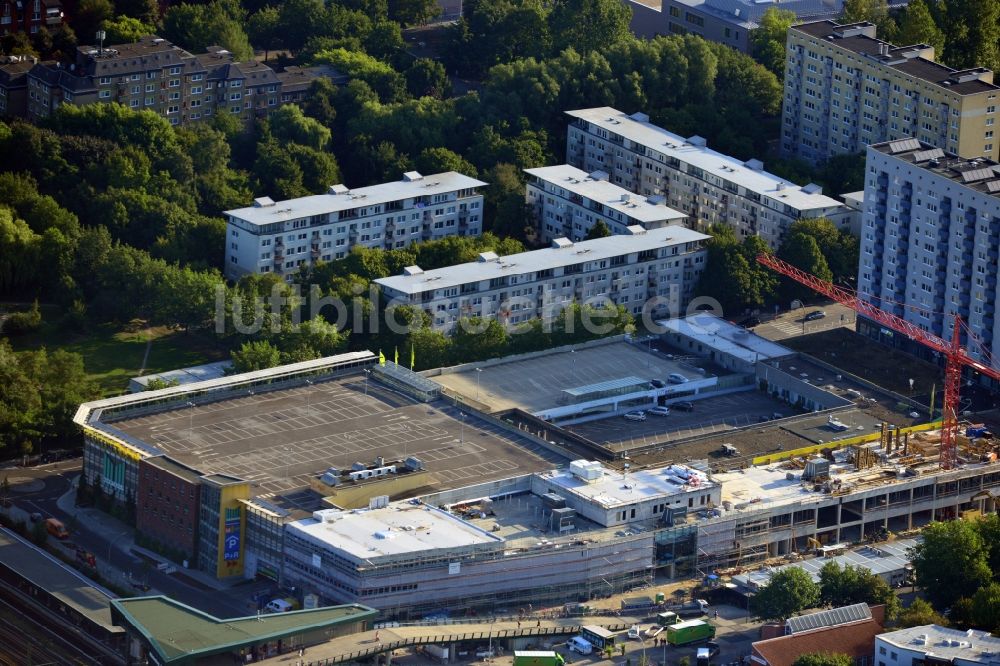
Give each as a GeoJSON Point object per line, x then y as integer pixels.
{"type": "Point", "coordinates": [956, 357]}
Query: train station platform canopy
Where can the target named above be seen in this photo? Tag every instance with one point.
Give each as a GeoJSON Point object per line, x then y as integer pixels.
{"type": "Point", "coordinates": [179, 634]}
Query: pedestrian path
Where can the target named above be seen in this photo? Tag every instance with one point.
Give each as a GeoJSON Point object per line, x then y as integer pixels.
{"type": "Point", "coordinates": [357, 646]}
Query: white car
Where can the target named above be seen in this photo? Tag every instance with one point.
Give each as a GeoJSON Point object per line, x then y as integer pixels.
{"type": "Point", "coordinates": [636, 416]}
{"type": "Point", "coordinates": [633, 631]}
{"type": "Point", "coordinates": [659, 410]}
{"type": "Point", "coordinates": [677, 378]}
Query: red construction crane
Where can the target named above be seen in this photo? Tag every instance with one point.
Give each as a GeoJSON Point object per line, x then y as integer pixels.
{"type": "Point", "coordinates": [954, 354]}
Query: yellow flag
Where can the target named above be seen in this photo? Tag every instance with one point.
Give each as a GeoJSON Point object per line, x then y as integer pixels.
{"type": "Point", "coordinates": [396, 357]}
{"type": "Point", "coordinates": [381, 358]}
{"type": "Point", "coordinates": [413, 356]}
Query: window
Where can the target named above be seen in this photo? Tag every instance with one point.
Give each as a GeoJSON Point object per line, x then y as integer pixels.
{"type": "Point", "coordinates": [175, 71]}
{"type": "Point", "coordinates": [197, 77]}
{"type": "Point", "coordinates": [150, 87]}
{"type": "Point", "coordinates": [105, 80]}
{"type": "Point", "coordinates": [150, 101]}
{"type": "Point", "coordinates": [174, 83]}
{"type": "Point", "coordinates": [105, 94]}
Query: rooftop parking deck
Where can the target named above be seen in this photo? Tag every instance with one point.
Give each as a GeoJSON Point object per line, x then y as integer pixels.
{"type": "Point", "coordinates": [537, 383]}
{"type": "Point", "coordinates": [281, 439]}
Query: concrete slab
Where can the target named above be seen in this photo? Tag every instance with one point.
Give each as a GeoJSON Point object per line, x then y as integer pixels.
{"type": "Point", "coordinates": [280, 439]}
{"type": "Point", "coordinates": [536, 384]}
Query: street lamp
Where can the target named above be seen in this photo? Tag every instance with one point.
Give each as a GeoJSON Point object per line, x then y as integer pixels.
{"type": "Point", "coordinates": [112, 542]}
{"type": "Point", "coordinates": [190, 420]}
{"type": "Point", "coordinates": [250, 395]}
{"type": "Point", "coordinates": [461, 417]}
{"type": "Point", "coordinates": [308, 394]}
{"type": "Point", "coordinates": [479, 377]}
{"type": "Point", "coordinates": [367, 372]}
{"type": "Point", "coordinates": [645, 661]}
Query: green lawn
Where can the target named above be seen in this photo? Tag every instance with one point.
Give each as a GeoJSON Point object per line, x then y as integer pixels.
{"type": "Point", "coordinates": [112, 356]}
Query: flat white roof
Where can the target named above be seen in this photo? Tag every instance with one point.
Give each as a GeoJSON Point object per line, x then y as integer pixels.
{"type": "Point", "coordinates": [710, 161]}
{"type": "Point", "coordinates": [610, 195]}
{"type": "Point", "coordinates": [618, 489]}
{"type": "Point", "coordinates": [726, 337]}
{"type": "Point", "coordinates": [396, 529]}
{"type": "Point", "coordinates": [196, 373]}
{"type": "Point", "coordinates": [345, 199]}
{"type": "Point", "coordinates": [948, 644]}
{"type": "Point", "coordinates": [539, 260]}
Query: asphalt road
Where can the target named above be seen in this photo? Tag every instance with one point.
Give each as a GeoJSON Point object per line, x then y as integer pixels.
{"type": "Point", "coordinates": [57, 478]}
{"type": "Point", "coordinates": [792, 323]}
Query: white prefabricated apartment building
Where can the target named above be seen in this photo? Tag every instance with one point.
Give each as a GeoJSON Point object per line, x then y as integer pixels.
{"type": "Point", "coordinates": [629, 269]}
{"type": "Point", "coordinates": [567, 202]}
{"type": "Point", "coordinates": [282, 236]}
{"type": "Point", "coordinates": [706, 185]}
{"type": "Point", "coordinates": [930, 241]}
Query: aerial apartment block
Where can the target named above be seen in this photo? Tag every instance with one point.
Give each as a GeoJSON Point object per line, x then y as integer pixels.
{"type": "Point", "coordinates": [153, 75]}
{"type": "Point", "coordinates": [629, 269]}
{"type": "Point", "coordinates": [845, 89]}
{"type": "Point", "coordinates": [281, 236]}
{"type": "Point", "coordinates": [930, 240]}
{"type": "Point", "coordinates": [567, 202]}
{"type": "Point", "coordinates": [709, 187]}
{"type": "Point", "coordinates": [29, 16]}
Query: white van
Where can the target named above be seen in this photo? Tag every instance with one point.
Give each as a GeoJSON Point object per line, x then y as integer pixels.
{"type": "Point", "coordinates": [581, 645]}
{"type": "Point", "coordinates": [277, 606]}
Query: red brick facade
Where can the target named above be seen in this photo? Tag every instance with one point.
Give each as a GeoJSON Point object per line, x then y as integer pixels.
{"type": "Point", "coordinates": [167, 507]}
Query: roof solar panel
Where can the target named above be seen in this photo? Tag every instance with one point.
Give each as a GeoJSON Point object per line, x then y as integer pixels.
{"type": "Point", "coordinates": [924, 155]}
{"type": "Point", "coordinates": [993, 186]}
{"type": "Point", "coordinates": [972, 175]}
{"type": "Point", "coordinates": [903, 145]}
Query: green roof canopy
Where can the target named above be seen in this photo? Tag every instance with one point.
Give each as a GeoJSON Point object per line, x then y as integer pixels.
{"type": "Point", "coordinates": [179, 633]}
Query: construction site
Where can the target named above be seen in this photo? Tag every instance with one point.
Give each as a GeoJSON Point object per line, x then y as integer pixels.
{"type": "Point", "coordinates": [866, 492]}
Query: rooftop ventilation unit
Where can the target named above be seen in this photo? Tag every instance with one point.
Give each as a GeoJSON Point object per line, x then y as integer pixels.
{"type": "Point", "coordinates": [413, 270]}
{"type": "Point", "coordinates": [339, 189]}
{"type": "Point", "coordinates": [412, 176]}
{"type": "Point", "coordinates": [487, 256]}
{"type": "Point", "coordinates": [263, 202]}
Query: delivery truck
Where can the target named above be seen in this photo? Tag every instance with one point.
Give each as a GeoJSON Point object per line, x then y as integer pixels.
{"type": "Point", "coordinates": [692, 631]}
{"type": "Point", "coordinates": [437, 652]}
{"type": "Point", "coordinates": [537, 658]}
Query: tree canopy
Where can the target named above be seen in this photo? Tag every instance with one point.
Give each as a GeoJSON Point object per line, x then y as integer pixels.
{"type": "Point", "coordinates": [790, 591]}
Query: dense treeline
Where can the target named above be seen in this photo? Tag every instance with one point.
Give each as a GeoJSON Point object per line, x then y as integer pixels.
{"type": "Point", "coordinates": [740, 284]}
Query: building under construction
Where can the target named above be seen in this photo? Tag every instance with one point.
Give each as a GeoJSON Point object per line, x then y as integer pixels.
{"type": "Point", "coordinates": [854, 494]}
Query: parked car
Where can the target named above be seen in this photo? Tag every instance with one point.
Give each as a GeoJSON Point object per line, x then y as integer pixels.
{"type": "Point", "coordinates": [814, 315]}
{"type": "Point", "coordinates": [684, 406]}
{"type": "Point", "coordinates": [750, 322]}
{"type": "Point", "coordinates": [657, 383]}
{"type": "Point", "coordinates": [633, 631]}
{"type": "Point", "coordinates": [636, 416]}
{"type": "Point", "coordinates": [677, 378]}
{"type": "Point", "coordinates": [659, 410]}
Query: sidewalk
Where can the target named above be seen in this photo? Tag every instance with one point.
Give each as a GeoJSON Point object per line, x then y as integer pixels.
{"type": "Point", "coordinates": [121, 538]}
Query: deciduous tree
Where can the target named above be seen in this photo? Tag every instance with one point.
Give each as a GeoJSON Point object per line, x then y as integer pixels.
{"type": "Point", "coordinates": [789, 591]}
{"type": "Point", "coordinates": [951, 562]}
{"type": "Point", "coordinates": [767, 41]}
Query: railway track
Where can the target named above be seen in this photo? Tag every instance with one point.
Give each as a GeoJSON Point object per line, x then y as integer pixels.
{"type": "Point", "coordinates": [26, 641]}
